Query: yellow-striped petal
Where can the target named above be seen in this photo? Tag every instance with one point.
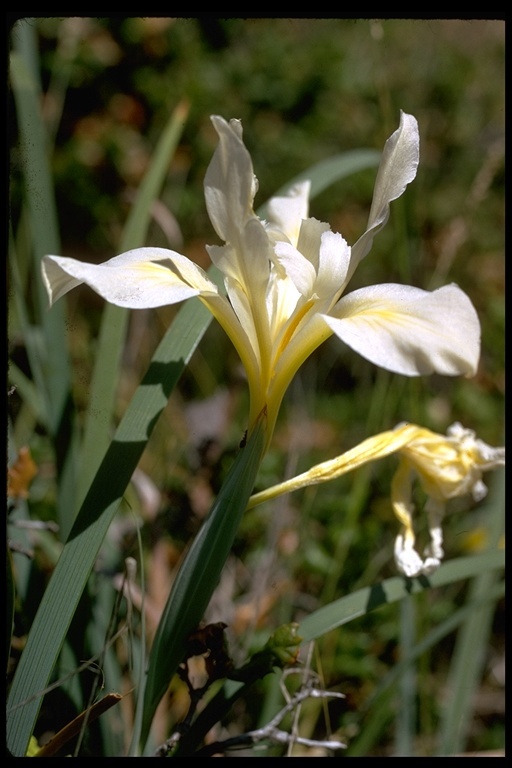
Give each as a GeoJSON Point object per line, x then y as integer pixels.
{"type": "Point", "coordinates": [410, 331]}
{"type": "Point", "coordinates": [138, 279]}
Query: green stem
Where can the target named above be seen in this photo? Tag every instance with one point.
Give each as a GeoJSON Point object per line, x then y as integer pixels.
{"type": "Point", "coordinates": [200, 573]}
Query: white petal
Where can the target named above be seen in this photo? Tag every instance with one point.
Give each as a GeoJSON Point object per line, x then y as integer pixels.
{"type": "Point", "coordinates": [334, 260]}
{"type": "Point", "coordinates": [285, 214]}
{"type": "Point", "coordinates": [242, 309]}
{"type": "Point", "coordinates": [397, 168]}
{"type": "Point", "coordinates": [56, 280]}
{"type": "Point", "coordinates": [137, 279]}
{"type": "Point", "coordinates": [300, 271]}
{"type": "Point", "coordinates": [410, 331]}
{"type": "Point", "coordinates": [281, 301]}
{"type": "Point", "coordinates": [248, 262]}
{"type": "Point", "coordinates": [229, 184]}
{"type": "Point", "coordinates": [310, 239]}
{"type": "Point", "coordinates": [319, 265]}
{"type": "Point", "coordinates": [407, 559]}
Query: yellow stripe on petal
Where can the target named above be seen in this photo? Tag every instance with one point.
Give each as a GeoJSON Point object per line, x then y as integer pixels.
{"type": "Point", "coordinates": [292, 327]}
{"type": "Point", "coordinates": [410, 331]}
{"type": "Point", "coordinates": [138, 279]}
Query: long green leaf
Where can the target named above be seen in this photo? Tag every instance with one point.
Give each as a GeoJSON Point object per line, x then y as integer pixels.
{"type": "Point", "coordinates": [199, 573]}
{"type": "Point", "coordinates": [98, 509]}
{"type": "Point", "coordinates": [359, 603]}
{"type": "Point", "coordinates": [51, 372]}
{"type": "Point", "coordinates": [114, 321]}
{"type": "Point", "coordinates": [44, 229]}
{"type": "Point", "coordinates": [473, 639]}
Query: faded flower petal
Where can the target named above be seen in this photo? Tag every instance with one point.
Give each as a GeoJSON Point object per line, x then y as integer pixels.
{"type": "Point", "coordinates": [446, 466]}
{"type": "Point", "coordinates": [452, 466]}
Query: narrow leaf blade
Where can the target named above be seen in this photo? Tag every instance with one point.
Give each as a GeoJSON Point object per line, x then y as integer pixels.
{"type": "Point", "coordinates": [70, 576]}
{"type": "Point", "coordinates": [115, 319]}
{"type": "Point", "coordinates": [200, 572]}
{"type": "Point", "coordinates": [359, 603]}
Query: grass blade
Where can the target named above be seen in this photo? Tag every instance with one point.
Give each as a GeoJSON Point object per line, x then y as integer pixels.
{"type": "Point", "coordinates": [200, 572]}
{"type": "Point", "coordinates": [367, 599]}
{"type": "Point", "coordinates": [98, 509]}
{"type": "Point", "coordinates": [51, 370]}
{"type": "Point", "coordinates": [44, 230]}
{"type": "Point", "coordinates": [406, 704]}
{"type": "Point", "coordinates": [115, 319]}
{"type": "Point", "coordinates": [472, 642]}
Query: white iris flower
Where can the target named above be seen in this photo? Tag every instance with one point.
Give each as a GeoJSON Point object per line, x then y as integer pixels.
{"type": "Point", "coordinates": [285, 280]}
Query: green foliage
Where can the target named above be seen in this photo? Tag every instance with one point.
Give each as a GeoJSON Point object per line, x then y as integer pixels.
{"type": "Point", "coordinates": [109, 140]}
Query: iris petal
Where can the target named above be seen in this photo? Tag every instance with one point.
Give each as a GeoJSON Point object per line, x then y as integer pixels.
{"type": "Point", "coordinates": [397, 169]}
{"type": "Point", "coordinates": [138, 279]}
{"type": "Point", "coordinates": [410, 331]}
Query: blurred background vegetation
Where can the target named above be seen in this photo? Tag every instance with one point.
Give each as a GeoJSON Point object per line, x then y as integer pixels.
{"type": "Point", "coordinates": [305, 89]}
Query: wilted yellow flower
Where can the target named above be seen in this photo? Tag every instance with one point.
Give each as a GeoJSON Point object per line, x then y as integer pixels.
{"type": "Point", "coordinates": [446, 466]}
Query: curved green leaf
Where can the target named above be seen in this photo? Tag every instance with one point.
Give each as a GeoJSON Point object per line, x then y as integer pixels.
{"type": "Point", "coordinates": [367, 599]}
{"type": "Point", "coordinates": [200, 572]}
{"type": "Point", "coordinates": [114, 321]}
{"type": "Point", "coordinates": [72, 571]}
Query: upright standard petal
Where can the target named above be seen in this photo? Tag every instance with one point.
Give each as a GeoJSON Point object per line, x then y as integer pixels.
{"type": "Point", "coordinates": [229, 188]}
{"type": "Point", "coordinates": [410, 331]}
{"type": "Point", "coordinates": [397, 169]}
{"type": "Point", "coordinates": [296, 267]}
{"type": "Point", "coordinates": [229, 183]}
